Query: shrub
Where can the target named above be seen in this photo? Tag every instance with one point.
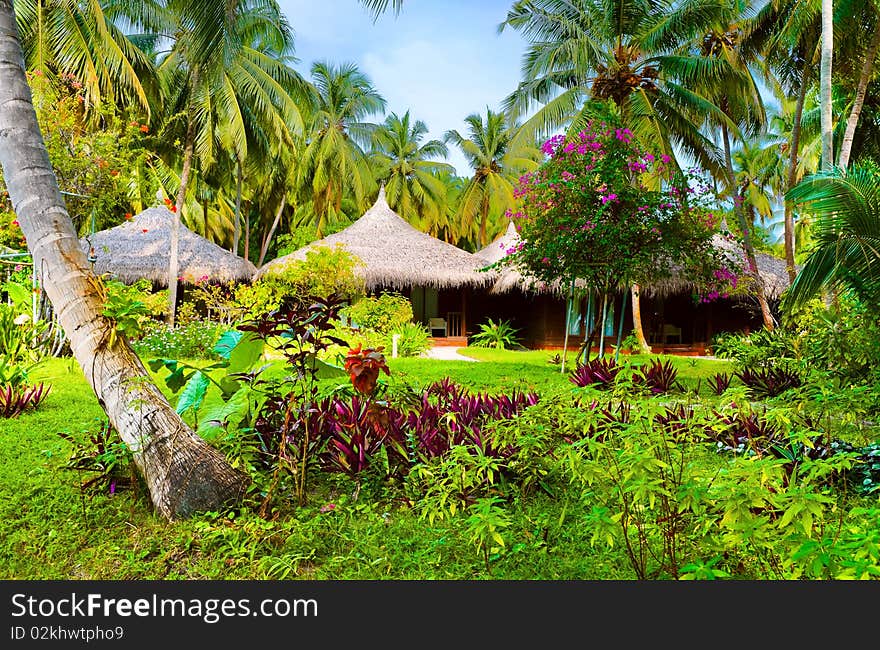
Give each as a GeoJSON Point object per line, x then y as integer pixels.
{"type": "Point", "coordinates": [191, 341]}
{"type": "Point", "coordinates": [719, 382]}
{"type": "Point", "coordinates": [384, 313]}
{"type": "Point", "coordinates": [600, 373]}
{"type": "Point", "coordinates": [133, 308]}
{"type": "Point", "coordinates": [658, 377]}
{"type": "Point", "coordinates": [15, 400]}
{"type": "Point", "coordinates": [500, 335]}
{"type": "Point", "coordinates": [769, 382]}
{"type": "Point", "coordinates": [412, 342]}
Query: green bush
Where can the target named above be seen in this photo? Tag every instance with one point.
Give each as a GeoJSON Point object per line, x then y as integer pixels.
{"type": "Point", "coordinates": [413, 340]}
{"type": "Point", "coordinates": [385, 313]}
{"type": "Point", "coordinates": [500, 335]}
{"type": "Point", "coordinates": [191, 341]}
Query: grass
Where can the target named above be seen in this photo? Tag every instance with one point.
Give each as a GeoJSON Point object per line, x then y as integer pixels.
{"type": "Point", "coordinates": [51, 529]}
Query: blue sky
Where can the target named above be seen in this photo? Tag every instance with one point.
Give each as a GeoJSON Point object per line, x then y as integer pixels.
{"type": "Point", "coordinates": [442, 60]}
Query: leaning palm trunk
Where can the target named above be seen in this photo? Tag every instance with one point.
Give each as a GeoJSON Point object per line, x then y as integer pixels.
{"type": "Point", "coordinates": [746, 228]}
{"type": "Point", "coordinates": [858, 102]}
{"type": "Point", "coordinates": [268, 240]}
{"type": "Point", "coordinates": [182, 472]}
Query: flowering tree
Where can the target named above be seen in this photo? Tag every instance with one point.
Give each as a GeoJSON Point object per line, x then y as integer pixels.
{"type": "Point", "coordinates": [604, 211]}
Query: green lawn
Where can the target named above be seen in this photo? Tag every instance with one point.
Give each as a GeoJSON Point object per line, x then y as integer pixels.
{"type": "Point", "coordinates": [53, 530]}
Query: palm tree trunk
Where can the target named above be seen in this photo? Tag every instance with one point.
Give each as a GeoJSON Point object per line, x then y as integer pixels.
{"type": "Point", "coordinates": [183, 473]}
{"type": "Point", "coordinates": [858, 102]}
{"type": "Point", "coordinates": [826, 117]}
{"type": "Point", "coordinates": [484, 217]}
{"type": "Point", "coordinates": [567, 326]}
{"type": "Point", "coordinates": [746, 229]}
{"type": "Point", "coordinates": [265, 247]}
{"type": "Point", "coordinates": [236, 229]}
{"type": "Point", "coordinates": [247, 236]}
{"type": "Point", "coordinates": [792, 171]}
{"type": "Point", "coordinates": [637, 320]}
{"type": "Point", "coordinates": [174, 253]}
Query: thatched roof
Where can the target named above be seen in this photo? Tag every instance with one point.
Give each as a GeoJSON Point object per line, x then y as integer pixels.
{"type": "Point", "coordinates": [394, 254]}
{"type": "Point", "coordinates": [140, 248]}
{"type": "Point", "coordinates": [508, 279]}
{"type": "Point", "coordinates": [772, 270]}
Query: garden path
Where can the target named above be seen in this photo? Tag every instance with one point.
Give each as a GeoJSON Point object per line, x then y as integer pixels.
{"type": "Point", "coordinates": [447, 353]}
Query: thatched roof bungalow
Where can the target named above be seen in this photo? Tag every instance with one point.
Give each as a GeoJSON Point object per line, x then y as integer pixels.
{"type": "Point", "coordinates": [141, 248]}
{"type": "Point", "coordinates": [669, 315]}
{"type": "Point", "coordinates": [394, 255]}
{"type": "Point", "coordinates": [772, 270]}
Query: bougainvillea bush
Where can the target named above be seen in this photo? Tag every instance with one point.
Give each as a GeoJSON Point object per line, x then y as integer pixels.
{"type": "Point", "coordinates": [603, 210]}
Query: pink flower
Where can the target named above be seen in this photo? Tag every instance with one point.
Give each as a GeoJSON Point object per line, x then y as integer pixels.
{"type": "Point", "coordinates": [665, 158]}
{"type": "Point", "coordinates": [608, 198]}
{"type": "Point", "coordinates": [327, 507]}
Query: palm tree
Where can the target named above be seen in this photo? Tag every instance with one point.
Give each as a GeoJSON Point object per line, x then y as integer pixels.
{"type": "Point", "coordinates": [83, 39]}
{"type": "Point", "coordinates": [825, 84]}
{"type": "Point", "coordinates": [333, 162]}
{"type": "Point", "coordinates": [631, 53]}
{"type": "Point", "coordinates": [732, 88]}
{"type": "Point", "coordinates": [585, 53]}
{"type": "Point", "coordinates": [498, 158]}
{"type": "Point", "coordinates": [869, 20]}
{"type": "Point", "coordinates": [786, 34]}
{"type": "Point", "coordinates": [403, 163]}
{"type": "Point", "coordinates": [183, 473]}
{"type": "Point", "coordinates": [846, 231]}
{"type": "Point", "coordinates": [760, 175]}
{"type": "Point", "coordinates": [378, 7]}
{"type": "Point", "coordinates": [226, 72]}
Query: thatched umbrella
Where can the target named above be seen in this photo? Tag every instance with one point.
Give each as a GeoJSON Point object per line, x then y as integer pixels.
{"type": "Point", "coordinates": [140, 248]}
{"type": "Point", "coordinates": [391, 253]}
{"type": "Point", "coordinates": [772, 270]}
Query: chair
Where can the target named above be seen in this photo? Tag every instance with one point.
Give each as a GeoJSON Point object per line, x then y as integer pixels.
{"type": "Point", "coordinates": [671, 331]}
{"type": "Point", "coordinates": [437, 324]}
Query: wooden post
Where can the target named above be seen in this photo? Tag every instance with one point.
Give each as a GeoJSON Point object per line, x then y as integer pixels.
{"type": "Point", "coordinates": [567, 326]}
{"type": "Point", "coordinates": [464, 312]}
{"type": "Point", "coordinates": [620, 324]}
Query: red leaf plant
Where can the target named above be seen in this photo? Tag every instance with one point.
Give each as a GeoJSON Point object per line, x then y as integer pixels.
{"type": "Point", "coordinates": [363, 367]}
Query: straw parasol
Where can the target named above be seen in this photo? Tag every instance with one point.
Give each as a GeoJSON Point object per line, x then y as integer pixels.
{"type": "Point", "coordinates": [394, 254]}
{"type": "Point", "coordinates": [140, 249]}
{"type": "Point", "coordinates": [772, 270]}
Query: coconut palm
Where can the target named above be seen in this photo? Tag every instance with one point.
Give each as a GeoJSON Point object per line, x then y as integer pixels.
{"type": "Point", "coordinates": [182, 472]}
{"type": "Point", "coordinates": [631, 53]}
{"type": "Point", "coordinates": [760, 175]}
{"type": "Point", "coordinates": [404, 164]}
{"type": "Point", "coordinates": [497, 158]}
{"type": "Point", "coordinates": [827, 51]}
{"type": "Point", "coordinates": [226, 74]}
{"type": "Point", "coordinates": [333, 162]}
{"type": "Point", "coordinates": [846, 249]}
{"type": "Point", "coordinates": [786, 34]}
{"type": "Point", "coordinates": [83, 39]}
{"type": "Point", "coordinates": [378, 7]}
